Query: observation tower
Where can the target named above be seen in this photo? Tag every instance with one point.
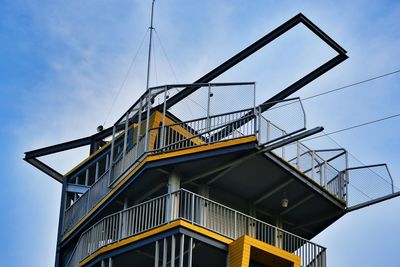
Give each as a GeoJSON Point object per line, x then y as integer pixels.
{"type": "Point", "coordinates": [227, 187]}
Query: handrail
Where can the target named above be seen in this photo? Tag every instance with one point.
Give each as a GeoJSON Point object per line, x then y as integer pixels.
{"type": "Point", "coordinates": [215, 122]}
{"type": "Point", "coordinates": [189, 206]}
{"type": "Point", "coordinates": [200, 134]}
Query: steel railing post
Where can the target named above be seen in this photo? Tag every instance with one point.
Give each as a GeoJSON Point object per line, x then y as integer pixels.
{"type": "Point", "coordinates": [313, 167]}
{"type": "Point", "coordinates": [235, 226]}
{"type": "Point", "coordinates": [87, 201]}
{"type": "Point", "coordinates": [125, 139]}
{"type": "Point", "coordinates": [208, 109]}
{"type": "Point", "coordinates": [146, 138]}
{"type": "Point", "coordinates": [192, 208]}
{"type": "Point", "coordinates": [112, 155]}
{"type": "Point", "coordinates": [255, 109]}
{"type": "Point", "coordinates": [324, 176]}
{"type": "Point", "coordinates": [298, 155]}
{"type": "Point", "coordinates": [120, 225]}
{"type": "Point", "coordinates": [346, 177]}
{"type": "Point", "coordinates": [138, 127]}
{"type": "Point", "coordinates": [259, 131]}
{"type": "Point", "coordinates": [162, 140]}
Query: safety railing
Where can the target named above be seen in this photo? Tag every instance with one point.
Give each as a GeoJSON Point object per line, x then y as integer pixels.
{"type": "Point", "coordinates": [310, 162]}
{"type": "Point", "coordinates": [86, 202]}
{"type": "Point", "coordinates": [203, 131]}
{"type": "Point", "coordinates": [171, 137]}
{"type": "Point", "coordinates": [197, 210]}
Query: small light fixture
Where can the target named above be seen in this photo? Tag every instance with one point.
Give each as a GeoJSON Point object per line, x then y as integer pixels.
{"type": "Point", "coordinates": [100, 128]}
{"type": "Point", "coordinates": [284, 201]}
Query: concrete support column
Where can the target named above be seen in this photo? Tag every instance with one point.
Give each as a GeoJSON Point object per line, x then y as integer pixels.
{"type": "Point", "coordinates": [278, 234]}
{"type": "Point", "coordinates": [107, 262]}
{"type": "Point", "coordinates": [202, 207]}
{"type": "Point", "coordinates": [251, 224]}
{"type": "Point", "coordinates": [174, 184]}
{"type": "Point", "coordinates": [124, 218]}
{"type": "Point", "coordinates": [174, 181]}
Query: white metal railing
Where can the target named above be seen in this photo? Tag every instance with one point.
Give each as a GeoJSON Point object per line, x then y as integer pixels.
{"type": "Point", "coordinates": [203, 131]}
{"type": "Point", "coordinates": [197, 210]}
{"type": "Point", "coordinates": [309, 162]}
{"type": "Point", "coordinates": [175, 136]}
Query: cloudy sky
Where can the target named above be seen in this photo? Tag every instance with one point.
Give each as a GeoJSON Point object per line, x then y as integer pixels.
{"type": "Point", "coordinates": [63, 62]}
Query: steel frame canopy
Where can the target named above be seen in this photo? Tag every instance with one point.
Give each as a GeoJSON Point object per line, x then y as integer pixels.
{"type": "Point", "coordinates": [96, 139]}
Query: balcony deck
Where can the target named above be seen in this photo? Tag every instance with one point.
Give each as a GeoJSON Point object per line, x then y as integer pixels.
{"type": "Point", "coordinates": [291, 169]}
{"type": "Point", "coordinates": [199, 211]}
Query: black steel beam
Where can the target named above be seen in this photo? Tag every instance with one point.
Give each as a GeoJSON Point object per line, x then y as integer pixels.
{"type": "Point", "coordinates": [46, 169]}
{"type": "Point", "coordinates": [299, 18]}
{"type": "Point", "coordinates": [372, 202]}
{"type": "Point", "coordinates": [291, 139]}
{"type": "Point", "coordinates": [58, 147]}
{"type": "Point", "coordinates": [303, 81]}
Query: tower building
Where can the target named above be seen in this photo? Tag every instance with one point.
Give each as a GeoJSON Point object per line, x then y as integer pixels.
{"type": "Point", "coordinates": [226, 186]}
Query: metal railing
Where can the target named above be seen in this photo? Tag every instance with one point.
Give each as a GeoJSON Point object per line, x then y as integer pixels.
{"type": "Point", "coordinates": [173, 137]}
{"type": "Point", "coordinates": [310, 162]}
{"type": "Point", "coordinates": [203, 131]}
{"type": "Point", "coordinates": [197, 210]}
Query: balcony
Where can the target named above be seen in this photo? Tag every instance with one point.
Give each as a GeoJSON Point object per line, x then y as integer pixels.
{"type": "Point", "coordinates": [148, 130]}
{"type": "Point", "coordinates": [160, 133]}
{"type": "Point", "coordinates": [197, 210]}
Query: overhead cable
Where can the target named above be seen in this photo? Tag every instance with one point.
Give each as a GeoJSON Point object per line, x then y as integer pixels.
{"type": "Point", "coordinates": [353, 84]}
{"type": "Point", "coordinates": [125, 77]}
{"type": "Point", "coordinates": [354, 126]}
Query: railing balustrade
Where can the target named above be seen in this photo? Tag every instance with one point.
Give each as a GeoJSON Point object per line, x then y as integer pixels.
{"type": "Point", "coordinates": [203, 131]}
{"type": "Point", "coordinates": [197, 210]}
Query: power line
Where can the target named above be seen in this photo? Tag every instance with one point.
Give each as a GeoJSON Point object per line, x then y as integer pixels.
{"type": "Point", "coordinates": [353, 84]}
{"type": "Point", "coordinates": [354, 126]}
{"type": "Point", "coordinates": [340, 88]}
{"type": "Point", "coordinates": [125, 77]}
{"type": "Point", "coordinates": [166, 56]}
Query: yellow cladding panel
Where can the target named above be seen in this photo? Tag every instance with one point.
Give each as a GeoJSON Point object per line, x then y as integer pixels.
{"type": "Point", "coordinates": [246, 248]}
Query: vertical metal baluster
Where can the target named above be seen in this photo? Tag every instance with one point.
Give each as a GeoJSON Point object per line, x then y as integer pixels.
{"type": "Point", "coordinates": [156, 254]}
{"type": "Point", "coordinates": [172, 251]}
{"type": "Point", "coordinates": [165, 249]}
{"type": "Point", "coordinates": [235, 223]}
{"type": "Point", "coordinates": [190, 252]}
{"type": "Point", "coordinates": [181, 250]}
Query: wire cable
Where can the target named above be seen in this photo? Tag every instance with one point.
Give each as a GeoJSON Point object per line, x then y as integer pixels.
{"type": "Point", "coordinates": [353, 127]}
{"type": "Point", "coordinates": [353, 84]}
{"type": "Point", "coordinates": [166, 56]}
{"type": "Point", "coordinates": [125, 78]}
{"type": "Point", "coordinates": [174, 73]}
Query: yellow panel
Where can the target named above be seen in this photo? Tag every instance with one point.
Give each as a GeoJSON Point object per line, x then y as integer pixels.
{"type": "Point", "coordinates": [246, 248]}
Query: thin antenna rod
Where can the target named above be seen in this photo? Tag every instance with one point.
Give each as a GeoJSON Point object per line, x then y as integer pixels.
{"type": "Point", "coordinates": [150, 42]}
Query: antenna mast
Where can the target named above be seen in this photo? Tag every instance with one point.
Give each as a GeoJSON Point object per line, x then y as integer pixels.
{"type": "Point", "coordinates": [150, 42]}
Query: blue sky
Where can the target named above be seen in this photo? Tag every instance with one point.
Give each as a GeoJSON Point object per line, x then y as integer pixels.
{"type": "Point", "coordinates": [62, 63]}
